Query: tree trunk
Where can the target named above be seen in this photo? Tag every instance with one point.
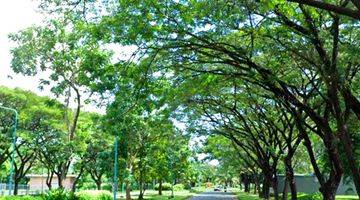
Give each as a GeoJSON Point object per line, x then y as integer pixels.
{"type": "Point", "coordinates": [16, 186]}
{"type": "Point", "coordinates": [290, 177]}
{"type": "Point", "coordinates": [141, 191]}
{"type": "Point", "coordinates": [141, 195]}
{"type": "Point", "coordinates": [247, 186]}
{"type": "Point", "coordinates": [285, 189]}
{"type": "Point", "coordinates": [128, 195]}
{"type": "Point", "coordinates": [160, 187]}
{"type": "Point", "coordinates": [255, 189]}
{"type": "Point", "coordinates": [60, 181]}
{"type": "Point", "coordinates": [73, 188]}
{"type": "Point", "coordinates": [347, 145]}
{"type": "Point", "coordinates": [49, 179]}
{"type": "Point", "coordinates": [98, 184]}
{"type": "Point", "coordinates": [256, 183]}
{"type": "Point", "coordinates": [328, 193]}
{"type": "Point", "coordinates": [265, 189]}
{"type": "Point", "coordinates": [274, 183]}
{"type": "Point", "coordinates": [354, 103]}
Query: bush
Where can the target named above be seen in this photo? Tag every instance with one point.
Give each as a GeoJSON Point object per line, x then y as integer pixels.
{"type": "Point", "coordinates": [21, 198]}
{"type": "Point", "coordinates": [107, 187]}
{"type": "Point", "coordinates": [64, 195]}
{"type": "Point", "coordinates": [59, 194]}
{"type": "Point", "coordinates": [165, 186]}
{"type": "Point", "coordinates": [179, 187]}
{"type": "Point", "coordinates": [88, 186]}
{"type": "Point", "coordinates": [94, 195]}
{"type": "Point", "coordinates": [316, 196]}
{"type": "Point", "coordinates": [187, 186]}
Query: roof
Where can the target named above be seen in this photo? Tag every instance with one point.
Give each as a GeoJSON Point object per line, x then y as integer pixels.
{"type": "Point", "coordinates": [45, 175]}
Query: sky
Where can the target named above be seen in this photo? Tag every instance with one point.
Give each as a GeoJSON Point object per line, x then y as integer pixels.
{"type": "Point", "coordinates": [14, 16]}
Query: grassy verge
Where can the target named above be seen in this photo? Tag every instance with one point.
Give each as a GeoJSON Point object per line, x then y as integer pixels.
{"type": "Point", "coordinates": [346, 197]}
{"type": "Point", "coordinates": [178, 195]}
{"type": "Point", "coordinates": [246, 196]}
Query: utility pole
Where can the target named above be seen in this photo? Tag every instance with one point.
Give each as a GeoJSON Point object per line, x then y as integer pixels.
{"type": "Point", "coordinates": [115, 181]}
{"type": "Point", "coordinates": [11, 176]}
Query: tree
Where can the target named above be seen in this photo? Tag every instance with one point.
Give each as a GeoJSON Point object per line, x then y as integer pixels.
{"type": "Point", "coordinates": [98, 154]}
{"type": "Point", "coordinates": [36, 114]}
{"type": "Point", "coordinates": [315, 77]}
{"type": "Point", "coordinates": [64, 50]}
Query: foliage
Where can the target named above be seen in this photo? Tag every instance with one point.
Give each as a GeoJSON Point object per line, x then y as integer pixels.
{"type": "Point", "coordinates": [165, 186]}
{"type": "Point", "coordinates": [179, 187]}
{"type": "Point", "coordinates": [59, 194]}
{"type": "Point", "coordinates": [21, 198]}
{"type": "Point", "coordinates": [88, 186]}
{"type": "Point", "coordinates": [107, 187]}
{"type": "Point", "coordinates": [94, 195]}
{"type": "Point", "coordinates": [261, 81]}
{"type": "Point", "coordinates": [310, 197]}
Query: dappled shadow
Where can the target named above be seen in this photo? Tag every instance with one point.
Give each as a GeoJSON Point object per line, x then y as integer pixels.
{"type": "Point", "coordinates": [214, 196]}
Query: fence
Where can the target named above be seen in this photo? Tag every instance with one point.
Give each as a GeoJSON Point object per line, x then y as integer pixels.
{"type": "Point", "coordinates": [22, 189]}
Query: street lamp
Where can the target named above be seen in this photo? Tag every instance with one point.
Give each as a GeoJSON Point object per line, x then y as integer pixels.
{"type": "Point", "coordinates": [115, 183]}
{"type": "Point", "coordinates": [11, 177]}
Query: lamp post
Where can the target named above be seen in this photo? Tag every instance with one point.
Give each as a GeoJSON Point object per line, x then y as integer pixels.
{"type": "Point", "coordinates": [11, 176]}
{"type": "Point", "coordinates": [116, 168]}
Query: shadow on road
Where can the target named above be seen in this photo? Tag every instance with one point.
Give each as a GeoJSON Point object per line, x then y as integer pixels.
{"type": "Point", "coordinates": [214, 196]}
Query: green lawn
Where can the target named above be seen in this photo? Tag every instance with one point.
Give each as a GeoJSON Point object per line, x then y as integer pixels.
{"type": "Point", "coordinates": [178, 195]}
{"type": "Point", "coordinates": [246, 196]}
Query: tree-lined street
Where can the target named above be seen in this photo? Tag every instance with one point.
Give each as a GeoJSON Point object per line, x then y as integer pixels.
{"type": "Point", "coordinates": [258, 96]}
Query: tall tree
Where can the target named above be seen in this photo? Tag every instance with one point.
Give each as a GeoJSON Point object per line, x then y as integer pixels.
{"type": "Point", "coordinates": [64, 51]}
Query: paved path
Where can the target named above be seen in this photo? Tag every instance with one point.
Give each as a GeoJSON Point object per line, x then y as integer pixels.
{"type": "Point", "coordinates": [214, 196]}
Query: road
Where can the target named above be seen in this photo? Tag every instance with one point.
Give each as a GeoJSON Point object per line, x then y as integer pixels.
{"type": "Point", "coordinates": [214, 196]}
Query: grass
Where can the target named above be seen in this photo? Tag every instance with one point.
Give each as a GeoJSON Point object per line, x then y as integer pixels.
{"type": "Point", "coordinates": [247, 196]}
{"type": "Point", "coordinates": [178, 195]}
{"type": "Point", "coordinates": [346, 197]}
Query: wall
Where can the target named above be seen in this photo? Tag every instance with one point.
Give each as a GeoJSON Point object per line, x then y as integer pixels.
{"type": "Point", "coordinates": [39, 182]}
{"type": "Point", "coordinates": [309, 184]}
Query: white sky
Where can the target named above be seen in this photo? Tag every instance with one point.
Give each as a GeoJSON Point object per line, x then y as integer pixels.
{"type": "Point", "coordinates": [14, 16]}
{"type": "Point", "coordinates": [19, 14]}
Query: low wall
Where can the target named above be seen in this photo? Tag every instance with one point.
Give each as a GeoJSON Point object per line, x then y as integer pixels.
{"type": "Point", "coordinates": [309, 184]}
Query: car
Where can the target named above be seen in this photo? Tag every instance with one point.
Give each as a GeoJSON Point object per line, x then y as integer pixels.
{"type": "Point", "coordinates": [217, 189]}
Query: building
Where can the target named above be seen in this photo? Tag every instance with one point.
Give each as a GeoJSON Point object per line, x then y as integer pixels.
{"type": "Point", "coordinates": [38, 182]}
{"type": "Point", "coordinates": [309, 184]}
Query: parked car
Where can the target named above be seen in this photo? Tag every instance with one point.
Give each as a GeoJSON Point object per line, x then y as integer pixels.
{"type": "Point", "coordinates": [217, 188]}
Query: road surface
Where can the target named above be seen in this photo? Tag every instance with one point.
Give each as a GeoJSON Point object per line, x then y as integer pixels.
{"type": "Point", "coordinates": [214, 196]}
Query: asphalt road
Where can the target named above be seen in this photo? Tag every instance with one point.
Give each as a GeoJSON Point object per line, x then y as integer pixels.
{"type": "Point", "coordinates": [214, 196]}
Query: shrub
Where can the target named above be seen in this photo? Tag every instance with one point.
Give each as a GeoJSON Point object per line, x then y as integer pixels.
{"type": "Point", "coordinates": [64, 195]}
{"type": "Point", "coordinates": [104, 196]}
{"type": "Point", "coordinates": [316, 196]}
{"type": "Point", "coordinates": [88, 186]}
{"type": "Point", "coordinates": [21, 198]}
{"type": "Point", "coordinates": [187, 186]}
{"type": "Point", "coordinates": [94, 195]}
{"type": "Point", "coordinates": [107, 187]}
{"type": "Point", "coordinates": [179, 187]}
{"type": "Point", "coordinates": [59, 194]}
{"type": "Point", "coordinates": [165, 186]}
